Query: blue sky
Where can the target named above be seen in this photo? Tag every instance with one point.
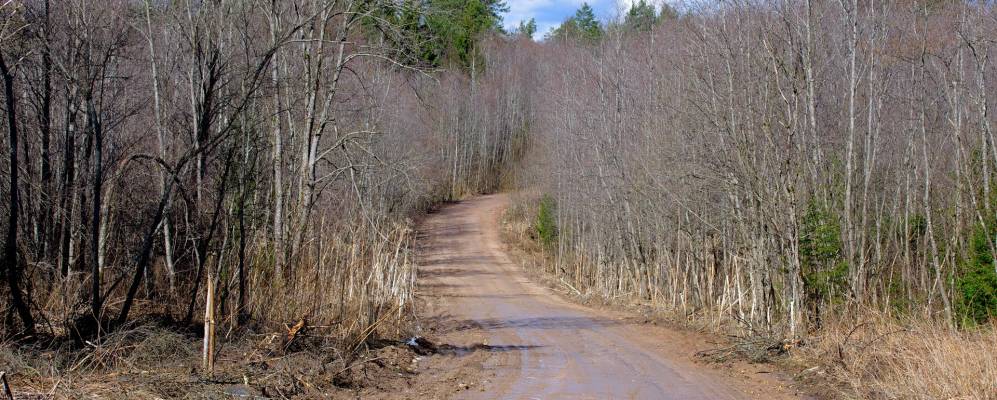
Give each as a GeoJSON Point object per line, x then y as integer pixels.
{"type": "Point", "coordinates": [550, 13]}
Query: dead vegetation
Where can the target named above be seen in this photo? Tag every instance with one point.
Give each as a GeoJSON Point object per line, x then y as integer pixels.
{"type": "Point", "coordinates": [863, 354]}
{"type": "Point", "coordinates": [748, 167]}
{"type": "Point", "coordinates": [200, 194]}
{"type": "Point", "coordinates": [877, 356]}
{"type": "Point", "coordinates": [150, 361]}
{"type": "Point", "coordinates": [815, 174]}
{"type": "Point", "coordinates": [756, 349]}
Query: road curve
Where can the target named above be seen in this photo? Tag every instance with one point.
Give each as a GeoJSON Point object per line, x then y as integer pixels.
{"type": "Point", "coordinates": [540, 345]}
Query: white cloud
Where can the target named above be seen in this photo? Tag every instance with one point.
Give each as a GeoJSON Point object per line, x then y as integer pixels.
{"type": "Point", "coordinates": [543, 29]}
{"type": "Point", "coordinates": [625, 5]}
{"type": "Point", "coordinates": [523, 10]}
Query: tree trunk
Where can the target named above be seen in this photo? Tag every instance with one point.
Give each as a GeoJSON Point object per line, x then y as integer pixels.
{"type": "Point", "coordinates": [45, 193]}
{"type": "Point", "coordinates": [95, 261]}
{"type": "Point", "coordinates": [10, 260]}
{"type": "Point", "coordinates": [144, 253]}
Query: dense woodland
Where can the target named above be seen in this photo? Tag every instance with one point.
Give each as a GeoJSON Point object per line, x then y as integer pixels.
{"type": "Point", "coordinates": [274, 150]}
{"type": "Point", "coordinates": [767, 164]}
{"type": "Point", "coordinates": [772, 162]}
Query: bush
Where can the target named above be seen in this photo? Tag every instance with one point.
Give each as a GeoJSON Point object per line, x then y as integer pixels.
{"type": "Point", "coordinates": [546, 224]}
{"type": "Point", "coordinates": [977, 282]}
{"type": "Point", "coordinates": [824, 271]}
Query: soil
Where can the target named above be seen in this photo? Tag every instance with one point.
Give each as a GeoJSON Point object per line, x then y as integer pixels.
{"type": "Point", "coordinates": [510, 337]}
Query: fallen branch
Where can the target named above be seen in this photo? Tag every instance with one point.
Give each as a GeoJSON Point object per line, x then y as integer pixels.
{"type": "Point", "coordinates": [570, 287]}
{"type": "Point", "coordinates": [294, 330]}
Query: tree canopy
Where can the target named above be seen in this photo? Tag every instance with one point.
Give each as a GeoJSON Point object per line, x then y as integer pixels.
{"type": "Point", "coordinates": [641, 17]}
{"type": "Point", "coordinates": [527, 28]}
{"type": "Point", "coordinates": [454, 26]}
{"type": "Point", "coordinates": [583, 26]}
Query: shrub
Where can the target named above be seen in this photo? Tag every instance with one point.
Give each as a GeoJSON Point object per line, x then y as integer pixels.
{"type": "Point", "coordinates": [824, 271]}
{"type": "Point", "coordinates": [977, 282]}
{"type": "Point", "coordinates": [546, 224]}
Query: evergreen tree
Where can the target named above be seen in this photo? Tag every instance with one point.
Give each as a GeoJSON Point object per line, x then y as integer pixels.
{"type": "Point", "coordinates": [567, 29]}
{"type": "Point", "coordinates": [641, 17]}
{"type": "Point", "coordinates": [455, 26]}
{"type": "Point", "coordinates": [588, 27]}
{"type": "Point", "coordinates": [582, 26]}
{"type": "Point", "coordinates": [527, 28]}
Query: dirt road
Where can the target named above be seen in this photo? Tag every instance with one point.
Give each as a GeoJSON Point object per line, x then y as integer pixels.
{"type": "Point", "coordinates": [533, 344]}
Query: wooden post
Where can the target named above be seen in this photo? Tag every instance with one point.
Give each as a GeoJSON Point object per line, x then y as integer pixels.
{"type": "Point", "coordinates": [7, 393]}
{"type": "Point", "coordinates": [208, 361]}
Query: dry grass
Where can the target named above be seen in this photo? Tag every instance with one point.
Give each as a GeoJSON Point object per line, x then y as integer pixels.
{"type": "Point", "coordinates": [153, 362]}
{"type": "Point", "coordinates": [857, 355]}
{"type": "Point", "coordinates": [876, 356]}
{"type": "Point", "coordinates": [350, 288]}
{"type": "Point", "coordinates": [126, 363]}
{"type": "Point", "coordinates": [356, 283]}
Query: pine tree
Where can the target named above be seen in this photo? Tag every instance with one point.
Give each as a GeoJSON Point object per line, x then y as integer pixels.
{"type": "Point", "coordinates": [582, 26]}
{"type": "Point", "coordinates": [457, 25]}
{"type": "Point", "coordinates": [641, 17]}
{"type": "Point", "coordinates": [527, 28]}
{"type": "Point", "coordinates": [588, 27]}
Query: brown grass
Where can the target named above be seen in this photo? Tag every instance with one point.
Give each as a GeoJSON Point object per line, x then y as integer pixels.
{"type": "Point", "coordinates": [877, 356]}
{"type": "Point", "coordinates": [856, 355]}
{"type": "Point", "coordinates": [356, 283]}
{"type": "Point", "coordinates": [153, 362]}
{"type": "Point", "coordinates": [135, 361]}
{"type": "Point", "coordinates": [350, 287]}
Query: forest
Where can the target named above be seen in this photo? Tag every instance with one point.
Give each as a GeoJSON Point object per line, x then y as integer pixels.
{"type": "Point", "coordinates": [818, 173]}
